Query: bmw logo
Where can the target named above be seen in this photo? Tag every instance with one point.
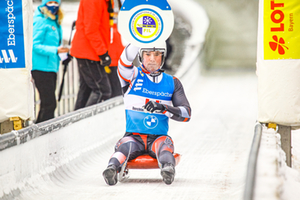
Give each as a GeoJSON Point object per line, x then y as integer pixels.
{"type": "Point", "coordinates": [150, 121]}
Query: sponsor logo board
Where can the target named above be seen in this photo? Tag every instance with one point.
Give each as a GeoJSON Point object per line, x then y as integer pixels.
{"type": "Point", "coordinates": [281, 29]}
{"type": "Point", "coordinates": [12, 53]}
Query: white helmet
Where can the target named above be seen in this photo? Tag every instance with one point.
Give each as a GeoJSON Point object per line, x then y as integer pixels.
{"type": "Point", "coordinates": [161, 47]}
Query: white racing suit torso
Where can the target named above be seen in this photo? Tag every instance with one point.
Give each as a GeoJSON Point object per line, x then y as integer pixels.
{"type": "Point", "coordinates": [139, 88]}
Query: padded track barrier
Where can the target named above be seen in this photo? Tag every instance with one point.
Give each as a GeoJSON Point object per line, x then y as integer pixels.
{"type": "Point", "coordinates": [252, 162]}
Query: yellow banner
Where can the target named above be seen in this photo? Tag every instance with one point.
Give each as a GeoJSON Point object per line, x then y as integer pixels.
{"type": "Point", "coordinates": [281, 29]}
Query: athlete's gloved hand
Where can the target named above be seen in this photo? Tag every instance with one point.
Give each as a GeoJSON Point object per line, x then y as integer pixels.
{"type": "Point", "coordinates": [105, 59]}
{"type": "Point", "coordinates": [152, 106]}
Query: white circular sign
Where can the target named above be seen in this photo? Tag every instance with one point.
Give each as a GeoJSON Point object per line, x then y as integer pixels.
{"type": "Point", "coordinates": [146, 25]}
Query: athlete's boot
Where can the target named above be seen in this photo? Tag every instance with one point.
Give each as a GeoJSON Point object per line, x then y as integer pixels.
{"type": "Point", "coordinates": [110, 175]}
{"type": "Point", "coordinates": [168, 173]}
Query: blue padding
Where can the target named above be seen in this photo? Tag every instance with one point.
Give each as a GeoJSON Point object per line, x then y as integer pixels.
{"type": "Point", "coordinates": [129, 4]}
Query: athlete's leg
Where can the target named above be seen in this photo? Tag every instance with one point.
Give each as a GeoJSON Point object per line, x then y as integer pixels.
{"type": "Point", "coordinates": [122, 151]}
{"type": "Point", "coordinates": [163, 147]}
{"type": "Point", "coordinates": [127, 146]}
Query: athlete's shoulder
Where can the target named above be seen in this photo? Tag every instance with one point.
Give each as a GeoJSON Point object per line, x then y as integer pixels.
{"type": "Point", "coordinates": [176, 80]}
{"type": "Point", "coordinates": [177, 83]}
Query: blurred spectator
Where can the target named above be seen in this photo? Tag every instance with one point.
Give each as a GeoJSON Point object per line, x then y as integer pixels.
{"type": "Point", "coordinates": [90, 47]}
{"type": "Point", "coordinates": [47, 38]}
{"type": "Point", "coordinates": [166, 65]}
{"type": "Point", "coordinates": [115, 50]}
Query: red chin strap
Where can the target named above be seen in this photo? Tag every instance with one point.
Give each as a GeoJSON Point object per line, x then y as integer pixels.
{"type": "Point", "coordinates": [144, 69]}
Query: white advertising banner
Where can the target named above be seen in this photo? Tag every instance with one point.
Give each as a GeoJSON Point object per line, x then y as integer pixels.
{"type": "Point", "coordinates": [16, 89]}
{"type": "Point", "coordinates": [278, 62]}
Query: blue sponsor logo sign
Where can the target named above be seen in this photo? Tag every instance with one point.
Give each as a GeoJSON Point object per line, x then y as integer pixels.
{"type": "Point", "coordinates": [161, 4]}
{"type": "Point", "coordinates": [12, 53]}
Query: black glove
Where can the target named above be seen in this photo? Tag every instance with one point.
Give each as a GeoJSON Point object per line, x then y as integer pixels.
{"type": "Point", "coordinates": [152, 106]}
{"type": "Point", "coordinates": [105, 59]}
{"type": "Point", "coordinates": [66, 61]}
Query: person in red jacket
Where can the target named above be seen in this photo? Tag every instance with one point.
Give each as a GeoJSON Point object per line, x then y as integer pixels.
{"type": "Point", "coordinates": [90, 47]}
{"type": "Point", "coordinates": [115, 50]}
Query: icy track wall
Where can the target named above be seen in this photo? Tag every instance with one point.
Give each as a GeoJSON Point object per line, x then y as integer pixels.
{"type": "Point", "coordinates": [281, 181]}
{"type": "Point", "coordinates": [269, 162]}
{"type": "Point", "coordinates": [36, 151]}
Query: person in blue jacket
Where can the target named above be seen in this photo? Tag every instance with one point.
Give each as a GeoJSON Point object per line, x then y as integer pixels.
{"type": "Point", "coordinates": [47, 39]}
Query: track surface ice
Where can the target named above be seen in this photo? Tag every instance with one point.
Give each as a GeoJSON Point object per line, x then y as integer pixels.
{"type": "Point", "coordinates": [214, 145]}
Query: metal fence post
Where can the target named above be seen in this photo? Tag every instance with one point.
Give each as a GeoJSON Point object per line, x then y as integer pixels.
{"type": "Point", "coordinates": [286, 139]}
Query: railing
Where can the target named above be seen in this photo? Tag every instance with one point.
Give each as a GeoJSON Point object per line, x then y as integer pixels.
{"type": "Point", "coordinates": [71, 87]}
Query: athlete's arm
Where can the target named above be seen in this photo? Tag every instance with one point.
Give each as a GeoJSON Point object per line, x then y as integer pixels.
{"type": "Point", "coordinates": [126, 71]}
{"type": "Point", "coordinates": [181, 109]}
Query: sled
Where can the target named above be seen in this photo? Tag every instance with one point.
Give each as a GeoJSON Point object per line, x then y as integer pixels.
{"type": "Point", "coordinates": [142, 162]}
{"type": "Point", "coordinates": [147, 162]}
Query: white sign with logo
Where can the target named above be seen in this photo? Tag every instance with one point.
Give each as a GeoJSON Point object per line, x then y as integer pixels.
{"type": "Point", "coordinates": [145, 22]}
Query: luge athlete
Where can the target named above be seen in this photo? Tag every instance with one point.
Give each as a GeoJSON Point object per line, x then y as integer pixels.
{"type": "Point", "coordinates": [151, 97]}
